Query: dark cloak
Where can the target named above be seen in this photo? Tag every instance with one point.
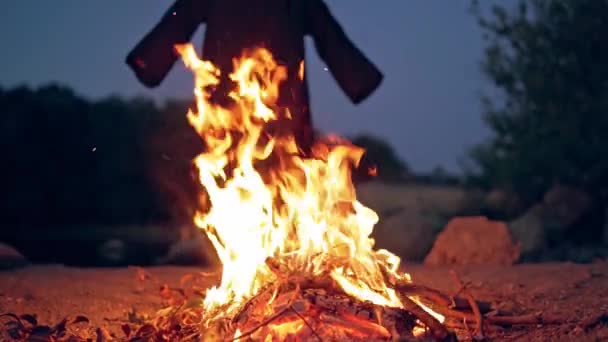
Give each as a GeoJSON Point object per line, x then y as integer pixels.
{"type": "Point", "coordinates": [278, 25]}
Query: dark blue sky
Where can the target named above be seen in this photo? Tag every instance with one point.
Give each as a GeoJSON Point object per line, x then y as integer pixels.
{"type": "Point", "coordinates": [429, 50]}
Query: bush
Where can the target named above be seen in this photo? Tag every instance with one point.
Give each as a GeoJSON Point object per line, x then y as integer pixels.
{"type": "Point", "coordinates": [71, 161]}
{"type": "Point", "coordinates": [380, 156]}
{"type": "Point", "coordinates": [547, 59]}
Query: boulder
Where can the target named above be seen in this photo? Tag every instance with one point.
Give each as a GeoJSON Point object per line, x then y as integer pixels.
{"type": "Point", "coordinates": [407, 233]}
{"type": "Point", "coordinates": [563, 206]}
{"type": "Point", "coordinates": [474, 240]}
{"type": "Point", "coordinates": [605, 231]}
{"type": "Point", "coordinates": [441, 200]}
{"type": "Point", "coordinates": [112, 252]}
{"type": "Point", "coordinates": [529, 230]}
{"type": "Point", "coordinates": [559, 214]}
{"type": "Point", "coordinates": [10, 257]}
{"type": "Point", "coordinates": [503, 203]}
{"type": "Point", "coordinates": [196, 251]}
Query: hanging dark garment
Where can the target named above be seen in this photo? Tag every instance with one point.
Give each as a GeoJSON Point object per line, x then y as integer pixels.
{"type": "Point", "coordinates": [278, 25]}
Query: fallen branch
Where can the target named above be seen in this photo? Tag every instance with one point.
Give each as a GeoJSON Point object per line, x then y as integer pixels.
{"type": "Point", "coordinates": [505, 321]}
{"type": "Point", "coordinates": [438, 330]}
{"type": "Point", "coordinates": [525, 320]}
{"type": "Point", "coordinates": [464, 309]}
{"type": "Point", "coordinates": [472, 303]}
{"type": "Point", "coordinates": [437, 297]}
{"type": "Point", "coordinates": [430, 295]}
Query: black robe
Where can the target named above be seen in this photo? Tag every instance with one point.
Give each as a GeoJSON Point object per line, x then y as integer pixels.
{"type": "Point", "coordinates": [278, 25]}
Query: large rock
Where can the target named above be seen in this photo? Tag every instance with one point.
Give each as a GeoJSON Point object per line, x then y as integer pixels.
{"type": "Point", "coordinates": [503, 203]}
{"type": "Point", "coordinates": [474, 240]}
{"type": "Point", "coordinates": [411, 215]}
{"type": "Point", "coordinates": [560, 212]}
{"type": "Point", "coordinates": [605, 232]}
{"type": "Point", "coordinates": [408, 234]}
{"type": "Point", "coordinates": [112, 252]}
{"type": "Point", "coordinates": [10, 257]}
{"type": "Point", "coordinates": [529, 230]}
{"type": "Point", "coordinates": [197, 251]}
{"type": "Point", "coordinates": [563, 206]}
{"type": "Point", "coordinates": [439, 200]}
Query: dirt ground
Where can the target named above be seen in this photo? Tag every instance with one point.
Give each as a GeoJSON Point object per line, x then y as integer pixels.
{"type": "Point", "coordinates": [107, 296]}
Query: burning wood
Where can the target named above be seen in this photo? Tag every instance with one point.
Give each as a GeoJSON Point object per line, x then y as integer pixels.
{"type": "Point", "coordinates": [287, 224]}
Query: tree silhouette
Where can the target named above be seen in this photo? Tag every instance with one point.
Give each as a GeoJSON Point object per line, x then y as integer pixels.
{"type": "Point", "coordinates": [547, 59]}
{"type": "Point", "coordinates": [381, 156]}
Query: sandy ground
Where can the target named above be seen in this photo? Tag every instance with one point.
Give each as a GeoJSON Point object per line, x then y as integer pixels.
{"type": "Point", "coordinates": [107, 296]}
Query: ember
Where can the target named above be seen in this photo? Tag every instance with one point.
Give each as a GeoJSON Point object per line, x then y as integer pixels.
{"type": "Point", "coordinates": [293, 240]}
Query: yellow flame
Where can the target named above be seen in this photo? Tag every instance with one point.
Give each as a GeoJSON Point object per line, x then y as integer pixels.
{"type": "Point", "coordinates": [301, 71]}
{"type": "Point", "coordinates": [301, 210]}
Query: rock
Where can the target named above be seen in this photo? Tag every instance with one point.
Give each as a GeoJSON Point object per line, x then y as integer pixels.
{"type": "Point", "coordinates": [440, 200]}
{"type": "Point", "coordinates": [113, 251]}
{"type": "Point", "coordinates": [408, 234]}
{"type": "Point", "coordinates": [474, 240]}
{"type": "Point", "coordinates": [560, 213]}
{"type": "Point", "coordinates": [502, 203]}
{"type": "Point", "coordinates": [605, 233]}
{"type": "Point", "coordinates": [563, 206]}
{"type": "Point", "coordinates": [529, 231]}
{"type": "Point", "coordinates": [10, 257]}
{"type": "Point", "coordinates": [194, 251]}
{"type": "Point", "coordinates": [411, 215]}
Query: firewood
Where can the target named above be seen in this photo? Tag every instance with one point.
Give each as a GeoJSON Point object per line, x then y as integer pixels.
{"type": "Point", "coordinates": [471, 300]}
{"type": "Point", "coordinates": [361, 327]}
{"type": "Point", "coordinates": [432, 296]}
{"type": "Point", "coordinates": [438, 330]}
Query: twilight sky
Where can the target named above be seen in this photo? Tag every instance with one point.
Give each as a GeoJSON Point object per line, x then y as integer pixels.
{"type": "Point", "coordinates": [429, 51]}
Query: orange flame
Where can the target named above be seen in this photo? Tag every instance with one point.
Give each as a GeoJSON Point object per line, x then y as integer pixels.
{"type": "Point", "coordinates": [301, 71]}
{"type": "Point", "coordinates": [302, 211]}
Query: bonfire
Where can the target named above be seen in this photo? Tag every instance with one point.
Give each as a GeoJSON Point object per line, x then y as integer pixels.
{"type": "Point", "coordinates": [294, 242]}
{"type": "Point", "coordinates": [298, 262]}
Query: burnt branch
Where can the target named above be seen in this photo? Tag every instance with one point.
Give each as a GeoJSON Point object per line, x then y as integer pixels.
{"type": "Point", "coordinates": [472, 303]}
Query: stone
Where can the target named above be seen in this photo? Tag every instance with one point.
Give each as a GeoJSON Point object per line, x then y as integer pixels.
{"type": "Point", "coordinates": [560, 212]}
{"type": "Point", "coordinates": [529, 230]}
{"type": "Point", "coordinates": [112, 251]}
{"type": "Point", "coordinates": [439, 200]}
{"type": "Point", "coordinates": [10, 257]}
{"type": "Point", "coordinates": [502, 202]}
{"type": "Point", "coordinates": [411, 215]}
{"type": "Point", "coordinates": [563, 206]}
{"type": "Point", "coordinates": [407, 234]}
{"type": "Point", "coordinates": [605, 232]}
{"type": "Point", "coordinates": [472, 241]}
{"type": "Point", "coordinates": [196, 251]}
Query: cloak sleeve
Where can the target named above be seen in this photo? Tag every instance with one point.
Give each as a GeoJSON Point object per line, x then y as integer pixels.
{"type": "Point", "coordinates": [355, 74]}
{"type": "Point", "coordinates": [154, 56]}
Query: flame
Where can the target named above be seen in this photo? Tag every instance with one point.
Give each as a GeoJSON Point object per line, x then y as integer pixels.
{"type": "Point", "coordinates": [301, 210]}
{"type": "Point", "coordinates": [301, 71]}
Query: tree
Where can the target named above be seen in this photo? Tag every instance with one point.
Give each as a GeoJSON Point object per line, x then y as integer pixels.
{"type": "Point", "coordinates": [72, 161]}
{"type": "Point", "coordinates": [381, 156]}
{"type": "Point", "coordinates": [548, 61]}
